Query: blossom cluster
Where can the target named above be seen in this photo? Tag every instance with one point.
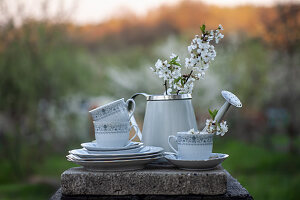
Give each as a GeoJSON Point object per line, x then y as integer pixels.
{"type": "Point", "coordinates": [214, 127]}
{"type": "Point", "coordinates": [168, 71]}
{"type": "Point", "coordinates": [201, 54]}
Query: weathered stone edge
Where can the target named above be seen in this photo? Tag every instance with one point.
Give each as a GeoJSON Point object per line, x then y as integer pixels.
{"type": "Point", "coordinates": [144, 183]}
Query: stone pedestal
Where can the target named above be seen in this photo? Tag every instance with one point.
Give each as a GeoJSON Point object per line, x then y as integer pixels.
{"type": "Point", "coordinates": [149, 183]}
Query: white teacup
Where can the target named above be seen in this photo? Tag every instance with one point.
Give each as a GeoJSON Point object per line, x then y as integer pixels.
{"type": "Point", "coordinates": [112, 134]}
{"type": "Point", "coordinates": [193, 146]}
{"type": "Point", "coordinates": [114, 111]}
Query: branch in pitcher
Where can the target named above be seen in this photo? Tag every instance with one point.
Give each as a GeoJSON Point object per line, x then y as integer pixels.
{"type": "Point", "coordinates": [201, 55]}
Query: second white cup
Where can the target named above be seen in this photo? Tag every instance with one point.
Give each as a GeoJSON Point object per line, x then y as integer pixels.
{"type": "Point", "coordinates": [112, 134]}
{"type": "Point", "coordinates": [193, 146]}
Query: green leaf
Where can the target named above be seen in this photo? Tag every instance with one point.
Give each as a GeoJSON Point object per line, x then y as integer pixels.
{"type": "Point", "coordinates": [202, 28]}
{"type": "Point", "coordinates": [213, 113]}
{"type": "Point", "coordinates": [173, 60]}
{"type": "Point", "coordinates": [176, 63]}
{"type": "Point", "coordinates": [182, 82]}
{"type": "Point", "coordinates": [177, 80]}
{"type": "Point", "coordinates": [210, 112]}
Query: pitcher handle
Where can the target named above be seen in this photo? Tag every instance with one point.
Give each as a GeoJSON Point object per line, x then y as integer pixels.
{"type": "Point", "coordinates": [137, 94]}
{"type": "Point", "coordinates": [169, 141]}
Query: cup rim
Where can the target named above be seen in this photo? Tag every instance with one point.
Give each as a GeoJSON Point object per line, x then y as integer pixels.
{"type": "Point", "coordinates": [108, 104]}
{"type": "Point", "coordinates": [202, 133]}
{"type": "Point", "coordinates": [111, 123]}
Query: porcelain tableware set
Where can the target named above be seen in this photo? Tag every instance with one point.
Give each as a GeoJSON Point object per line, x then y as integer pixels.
{"type": "Point", "coordinates": [113, 150]}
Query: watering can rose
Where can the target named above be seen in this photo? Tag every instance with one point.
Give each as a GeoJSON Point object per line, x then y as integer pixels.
{"type": "Point", "coordinates": [201, 55]}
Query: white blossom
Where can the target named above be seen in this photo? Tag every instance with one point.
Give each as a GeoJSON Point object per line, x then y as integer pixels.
{"type": "Point", "coordinates": [188, 87]}
{"type": "Point", "coordinates": [218, 128]}
{"type": "Point", "coordinates": [158, 64]}
{"type": "Point", "coordinates": [174, 56]}
{"type": "Point", "coordinates": [201, 54]}
{"type": "Point", "coordinates": [218, 36]}
{"type": "Point", "coordinates": [193, 131]}
{"type": "Point", "coordinates": [168, 91]}
{"type": "Point", "coordinates": [223, 127]}
{"type": "Point", "coordinates": [187, 62]}
{"type": "Point", "coordinates": [220, 27]}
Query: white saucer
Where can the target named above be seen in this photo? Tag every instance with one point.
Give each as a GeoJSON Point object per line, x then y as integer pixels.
{"type": "Point", "coordinates": [92, 146]}
{"type": "Point", "coordinates": [77, 158]}
{"type": "Point", "coordinates": [215, 160]}
{"type": "Point", "coordinates": [83, 153]}
{"type": "Point", "coordinates": [115, 165]}
{"type": "Point", "coordinates": [135, 150]}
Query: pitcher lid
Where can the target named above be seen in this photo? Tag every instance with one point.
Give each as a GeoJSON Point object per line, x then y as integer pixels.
{"type": "Point", "coordinates": [168, 97]}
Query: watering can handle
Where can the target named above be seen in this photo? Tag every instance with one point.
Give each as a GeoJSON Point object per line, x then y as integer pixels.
{"type": "Point", "coordinates": [132, 119]}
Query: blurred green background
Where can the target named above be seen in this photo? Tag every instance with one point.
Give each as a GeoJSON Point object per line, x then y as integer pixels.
{"type": "Point", "coordinates": [52, 71]}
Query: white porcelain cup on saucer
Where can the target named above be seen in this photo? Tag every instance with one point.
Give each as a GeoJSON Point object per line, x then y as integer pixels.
{"type": "Point", "coordinates": [192, 146]}
{"type": "Point", "coordinates": [112, 134]}
{"type": "Point", "coordinates": [114, 111]}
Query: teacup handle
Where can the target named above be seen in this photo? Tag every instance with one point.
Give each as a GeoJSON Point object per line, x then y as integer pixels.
{"type": "Point", "coordinates": [132, 107]}
{"type": "Point", "coordinates": [134, 134]}
{"type": "Point", "coordinates": [169, 141]}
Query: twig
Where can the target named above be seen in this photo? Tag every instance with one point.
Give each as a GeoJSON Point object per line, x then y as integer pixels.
{"type": "Point", "coordinates": [187, 78]}
{"type": "Point", "coordinates": [166, 87]}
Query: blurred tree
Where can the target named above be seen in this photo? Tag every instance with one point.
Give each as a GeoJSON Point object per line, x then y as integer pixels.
{"type": "Point", "coordinates": [282, 32]}
{"type": "Point", "coordinates": [39, 67]}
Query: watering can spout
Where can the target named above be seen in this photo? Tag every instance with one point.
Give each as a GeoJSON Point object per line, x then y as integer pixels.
{"type": "Point", "coordinates": [222, 111]}
{"type": "Point", "coordinates": [230, 99]}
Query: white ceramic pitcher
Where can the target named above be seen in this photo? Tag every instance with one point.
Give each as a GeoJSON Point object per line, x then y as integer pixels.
{"type": "Point", "coordinates": [165, 115]}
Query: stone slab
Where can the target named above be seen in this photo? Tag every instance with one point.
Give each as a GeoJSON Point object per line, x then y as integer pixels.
{"type": "Point", "coordinates": [235, 191]}
{"type": "Point", "coordinates": [149, 181]}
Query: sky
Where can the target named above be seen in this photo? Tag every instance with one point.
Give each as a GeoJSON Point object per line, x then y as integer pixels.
{"type": "Point", "coordinates": [96, 11]}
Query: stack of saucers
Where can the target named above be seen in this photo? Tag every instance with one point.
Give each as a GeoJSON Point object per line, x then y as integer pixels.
{"type": "Point", "coordinates": [131, 157]}
{"type": "Point", "coordinates": [113, 150]}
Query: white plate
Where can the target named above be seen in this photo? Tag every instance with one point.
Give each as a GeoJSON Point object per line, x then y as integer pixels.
{"type": "Point", "coordinates": [92, 146]}
{"type": "Point", "coordinates": [135, 150]}
{"type": "Point", "coordinates": [83, 153]}
{"type": "Point", "coordinates": [74, 157]}
{"type": "Point", "coordinates": [117, 165]}
{"type": "Point", "coordinates": [215, 160]}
